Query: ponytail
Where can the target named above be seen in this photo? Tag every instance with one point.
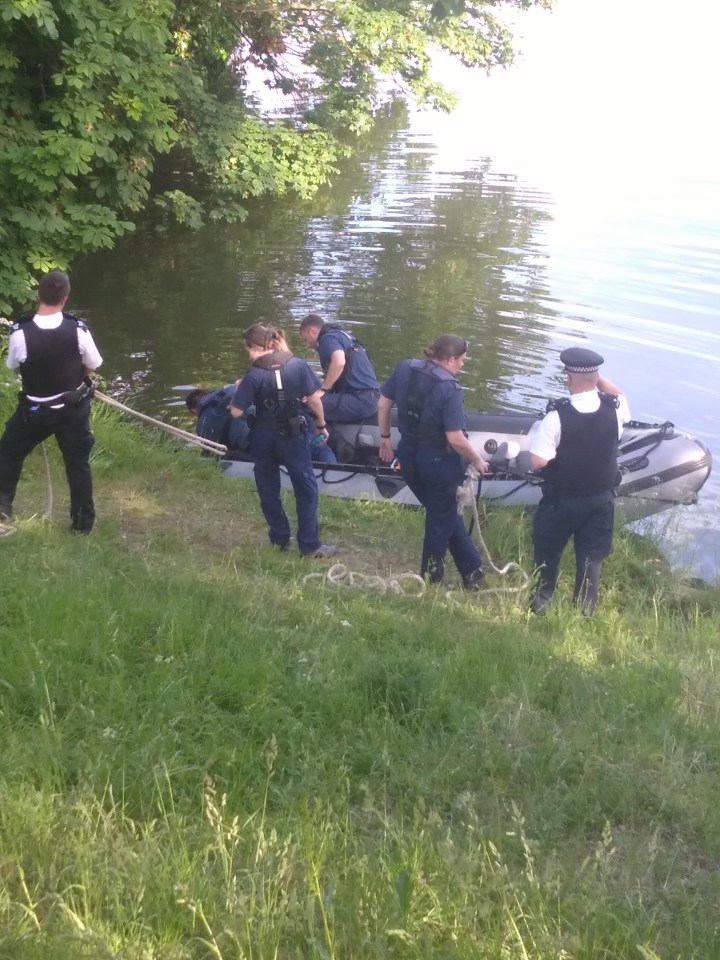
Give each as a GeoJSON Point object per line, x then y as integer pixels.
{"type": "Point", "coordinates": [446, 346]}
{"type": "Point", "coordinates": [263, 336]}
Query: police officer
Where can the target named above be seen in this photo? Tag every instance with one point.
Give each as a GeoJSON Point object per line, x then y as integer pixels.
{"type": "Point", "coordinates": [276, 383]}
{"type": "Point", "coordinates": [54, 352]}
{"type": "Point", "coordinates": [575, 448]}
{"type": "Point", "coordinates": [434, 451]}
{"type": "Point", "coordinates": [350, 388]}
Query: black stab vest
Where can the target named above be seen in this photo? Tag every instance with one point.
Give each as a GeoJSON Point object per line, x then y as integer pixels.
{"type": "Point", "coordinates": [415, 424]}
{"type": "Point", "coordinates": [586, 459]}
{"type": "Point", "coordinates": [274, 406]}
{"type": "Point", "coordinates": [54, 363]}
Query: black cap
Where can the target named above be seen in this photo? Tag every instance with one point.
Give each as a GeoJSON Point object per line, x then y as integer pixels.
{"type": "Point", "coordinates": [581, 360]}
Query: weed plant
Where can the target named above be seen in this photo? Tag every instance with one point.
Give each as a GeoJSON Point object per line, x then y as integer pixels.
{"type": "Point", "coordinates": [206, 757]}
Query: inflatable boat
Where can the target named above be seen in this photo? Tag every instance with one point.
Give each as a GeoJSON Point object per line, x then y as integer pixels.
{"type": "Point", "coordinates": [659, 465]}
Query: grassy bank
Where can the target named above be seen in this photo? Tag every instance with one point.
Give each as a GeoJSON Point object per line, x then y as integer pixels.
{"type": "Point", "coordinates": [205, 757]}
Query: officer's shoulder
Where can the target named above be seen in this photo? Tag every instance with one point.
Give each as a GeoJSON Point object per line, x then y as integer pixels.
{"type": "Point", "coordinates": [20, 322]}
{"type": "Point", "coordinates": [610, 399]}
{"type": "Point", "coordinates": [71, 316]}
{"type": "Point", "coordinates": [556, 404]}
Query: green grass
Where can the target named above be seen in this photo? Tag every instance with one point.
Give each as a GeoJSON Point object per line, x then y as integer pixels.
{"type": "Point", "coordinates": [204, 756]}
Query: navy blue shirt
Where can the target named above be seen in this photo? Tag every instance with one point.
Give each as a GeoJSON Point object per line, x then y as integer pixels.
{"type": "Point", "coordinates": [358, 373]}
{"type": "Point", "coordinates": [258, 384]}
{"type": "Point", "coordinates": [213, 417]}
{"type": "Point", "coordinates": [443, 407]}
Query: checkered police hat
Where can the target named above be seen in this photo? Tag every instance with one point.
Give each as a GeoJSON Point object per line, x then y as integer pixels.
{"type": "Point", "coordinates": [581, 360]}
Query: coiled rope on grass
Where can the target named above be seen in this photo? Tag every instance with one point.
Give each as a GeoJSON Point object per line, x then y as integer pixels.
{"type": "Point", "coordinates": [340, 576]}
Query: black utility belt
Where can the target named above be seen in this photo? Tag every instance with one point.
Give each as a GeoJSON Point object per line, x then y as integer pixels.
{"type": "Point", "coordinates": [71, 398]}
{"type": "Point", "coordinates": [288, 427]}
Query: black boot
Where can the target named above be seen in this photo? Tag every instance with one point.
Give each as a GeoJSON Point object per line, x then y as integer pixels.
{"type": "Point", "coordinates": [547, 577]}
{"type": "Point", "coordinates": [473, 582]}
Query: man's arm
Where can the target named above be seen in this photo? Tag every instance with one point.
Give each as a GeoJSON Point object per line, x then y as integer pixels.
{"type": "Point", "coordinates": [385, 405]}
{"type": "Point", "coordinates": [607, 386]}
{"type": "Point", "coordinates": [235, 411]}
{"type": "Point", "coordinates": [17, 350]}
{"type": "Point", "coordinates": [544, 440]}
{"type": "Point", "coordinates": [536, 462]}
{"type": "Point", "coordinates": [334, 370]}
{"type": "Point", "coordinates": [314, 401]}
{"type": "Point", "coordinates": [88, 351]}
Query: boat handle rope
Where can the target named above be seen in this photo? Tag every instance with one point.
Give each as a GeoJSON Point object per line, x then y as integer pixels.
{"type": "Point", "coordinates": [653, 440]}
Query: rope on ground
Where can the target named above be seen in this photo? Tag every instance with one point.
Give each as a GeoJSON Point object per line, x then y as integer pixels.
{"type": "Point", "coordinates": [468, 500]}
{"type": "Point", "coordinates": [339, 576]}
{"type": "Point", "coordinates": [218, 449]}
{"type": "Point", "coordinates": [48, 478]}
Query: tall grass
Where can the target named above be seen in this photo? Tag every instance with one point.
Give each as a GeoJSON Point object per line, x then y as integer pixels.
{"type": "Point", "coordinates": [205, 756]}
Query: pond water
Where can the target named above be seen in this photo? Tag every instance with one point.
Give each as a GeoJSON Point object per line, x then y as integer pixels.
{"type": "Point", "coordinates": [488, 223]}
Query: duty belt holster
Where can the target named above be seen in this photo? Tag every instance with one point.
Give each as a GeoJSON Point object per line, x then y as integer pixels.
{"type": "Point", "coordinates": [292, 426]}
{"type": "Point", "coordinates": [49, 412]}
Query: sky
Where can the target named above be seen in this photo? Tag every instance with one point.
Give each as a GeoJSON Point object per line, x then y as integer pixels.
{"type": "Point", "coordinates": [623, 85]}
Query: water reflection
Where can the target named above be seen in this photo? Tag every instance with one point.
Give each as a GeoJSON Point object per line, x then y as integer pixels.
{"type": "Point", "coordinates": [398, 249]}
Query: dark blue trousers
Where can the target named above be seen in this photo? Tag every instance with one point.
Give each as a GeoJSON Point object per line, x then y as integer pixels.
{"type": "Point", "coordinates": [71, 428]}
{"type": "Point", "coordinates": [589, 521]}
{"type": "Point", "coordinates": [271, 450]}
{"type": "Point", "coordinates": [434, 475]}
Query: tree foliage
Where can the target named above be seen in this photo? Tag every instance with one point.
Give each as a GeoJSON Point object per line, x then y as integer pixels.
{"type": "Point", "coordinates": [107, 105]}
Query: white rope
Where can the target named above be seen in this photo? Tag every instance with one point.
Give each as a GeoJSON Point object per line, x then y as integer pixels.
{"type": "Point", "coordinates": [218, 449]}
{"type": "Point", "coordinates": [339, 576]}
{"type": "Point", "coordinates": [467, 500]}
{"type": "Point", "coordinates": [48, 478]}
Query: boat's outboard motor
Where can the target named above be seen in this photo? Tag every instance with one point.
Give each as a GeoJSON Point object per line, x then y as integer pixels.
{"type": "Point", "coordinates": [505, 459]}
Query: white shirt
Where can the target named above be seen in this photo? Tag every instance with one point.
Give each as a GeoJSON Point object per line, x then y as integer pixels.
{"type": "Point", "coordinates": [17, 348]}
{"type": "Point", "coordinates": [545, 439]}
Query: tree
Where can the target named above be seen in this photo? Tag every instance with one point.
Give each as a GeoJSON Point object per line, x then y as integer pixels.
{"type": "Point", "coordinates": [108, 105]}
{"type": "Point", "coordinates": [86, 104]}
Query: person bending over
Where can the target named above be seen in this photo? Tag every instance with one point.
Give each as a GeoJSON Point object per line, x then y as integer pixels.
{"type": "Point", "coordinates": [214, 421]}
{"type": "Point", "coordinates": [277, 384]}
{"type": "Point", "coordinates": [350, 388]}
